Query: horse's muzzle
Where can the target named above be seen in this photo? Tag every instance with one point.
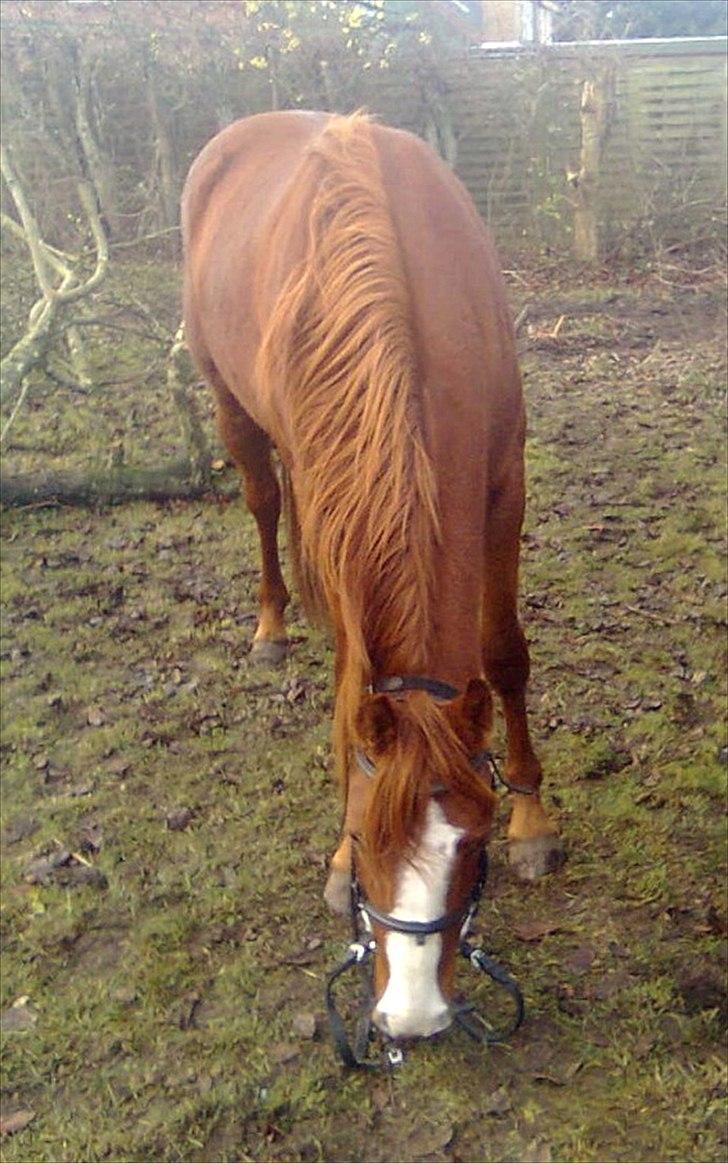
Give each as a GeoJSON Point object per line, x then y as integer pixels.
{"type": "Point", "coordinates": [412, 1025]}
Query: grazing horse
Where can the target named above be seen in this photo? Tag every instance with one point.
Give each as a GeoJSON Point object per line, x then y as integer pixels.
{"type": "Point", "coordinates": [343, 300]}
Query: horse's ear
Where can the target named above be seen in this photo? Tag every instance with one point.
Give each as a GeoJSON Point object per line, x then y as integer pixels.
{"type": "Point", "coordinates": [477, 706]}
{"type": "Point", "coordinates": [377, 724]}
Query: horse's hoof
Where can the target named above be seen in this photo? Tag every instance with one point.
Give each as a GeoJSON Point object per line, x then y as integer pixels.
{"type": "Point", "coordinates": [536, 857]}
{"type": "Point", "coordinates": [268, 653]}
{"type": "Point", "coordinates": [337, 893]}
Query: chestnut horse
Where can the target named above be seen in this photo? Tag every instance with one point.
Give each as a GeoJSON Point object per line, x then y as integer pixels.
{"type": "Point", "coordinates": [344, 302]}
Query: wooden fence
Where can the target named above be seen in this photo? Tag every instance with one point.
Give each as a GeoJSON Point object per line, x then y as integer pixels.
{"type": "Point", "coordinates": [516, 120]}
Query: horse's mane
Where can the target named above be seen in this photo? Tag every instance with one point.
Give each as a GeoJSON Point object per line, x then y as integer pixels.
{"type": "Point", "coordinates": [340, 344]}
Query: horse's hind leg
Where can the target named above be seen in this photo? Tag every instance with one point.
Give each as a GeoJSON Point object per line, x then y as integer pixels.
{"type": "Point", "coordinates": [250, 448]}
{"type": "Point", "coordinates": [534, 844]}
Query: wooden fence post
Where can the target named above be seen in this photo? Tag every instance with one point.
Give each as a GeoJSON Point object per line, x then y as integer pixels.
{"type": "Point", "coordinates": [597, 98]}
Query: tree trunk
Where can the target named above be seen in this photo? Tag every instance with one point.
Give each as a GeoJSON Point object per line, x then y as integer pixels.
{"type": "Point", "coordinates": [110, 486]}
{"type": "Point", "coordinates": [27, 353]}
{"type": "Point", "coordinates": [595, 112]}
{"type": "Point", "coordinates": [168, 192]}
{"type": "Point", "coordinates": [198, 463]}
{"type": "Point", "coordinates": [98, 166]}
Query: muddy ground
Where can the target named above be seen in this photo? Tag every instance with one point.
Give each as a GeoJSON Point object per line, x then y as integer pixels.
{"type": "Point", "coordinates": [168, 808]}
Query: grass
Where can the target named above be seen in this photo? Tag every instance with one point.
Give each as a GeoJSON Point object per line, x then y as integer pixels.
{"type": "Point", "coordinates": [165, 1004]}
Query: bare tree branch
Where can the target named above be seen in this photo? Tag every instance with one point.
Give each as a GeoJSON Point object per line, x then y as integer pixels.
{"type": "Point", "coordinates": [31, 233]}
{"type": "Point", "coordinates": [32, 347]}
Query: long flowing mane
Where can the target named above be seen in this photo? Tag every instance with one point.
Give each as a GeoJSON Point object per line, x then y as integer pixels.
{"type": "Point", "coordinates": [340, 340]}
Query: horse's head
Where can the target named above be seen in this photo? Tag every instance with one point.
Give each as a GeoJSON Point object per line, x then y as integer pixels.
{"type": "Point", "coordinates": [418, 854]}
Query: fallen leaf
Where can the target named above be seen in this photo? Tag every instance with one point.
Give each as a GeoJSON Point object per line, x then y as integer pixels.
{"type": "Point", "coordinates": [20, 829]}
{"type": "Point", "coordinates": [78, 790]}
{"type": "Point", "coordinates": [305, 957]}
{"type": "Point", "coordinates": [304, 1024]}
{"type": "Point", "coordinates": [536, 930]}
{"type": "Point", "coordinates": [427, 1140]}
{"type": "Point", "coordinates": [118, 767]}
{"type": "Point", "coordinates": [63, 867]}
{"type": "Point", "coordinates": [42, 869]}
{"type": "Point", "coordinates": [704, 990]}
{"type": "Point", "coordinates": [282, 1052]}
{"type": "Point", "coordinates": [581, 960]}
{"type": "Point", "coordinates": [558, 1072]}
{"type": "Point", "coordinates": [498, 1103]}
{"type": "Point", "coordinates": [18, 1016]}
{"type": "Point", "coordinates": [76, 875]}
{"type": "Point", "coordinates": [16, 1122]}
{"type": "Point", "coordinates": [178, 820]}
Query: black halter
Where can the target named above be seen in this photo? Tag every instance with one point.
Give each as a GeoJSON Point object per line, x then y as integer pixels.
{"type": "Point", "coordinates": [395, 684]}
{"type": "Point", "coordinates": [363, 913]}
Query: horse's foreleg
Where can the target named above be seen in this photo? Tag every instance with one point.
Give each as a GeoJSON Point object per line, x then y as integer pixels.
{"type": "Point", "coordinates": [534, 844]}
{"type": "Point", "coordinates": [338, 885]}
{"type": "Point", "coordinates": [250, 448]}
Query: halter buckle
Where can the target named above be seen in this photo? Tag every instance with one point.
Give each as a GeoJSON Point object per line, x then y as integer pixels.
{"type": "Point", "coordinates": [362, 950]}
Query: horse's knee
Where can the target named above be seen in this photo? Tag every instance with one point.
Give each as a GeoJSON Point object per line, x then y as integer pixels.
{"type": "Point", "coordinates": [507, 669]}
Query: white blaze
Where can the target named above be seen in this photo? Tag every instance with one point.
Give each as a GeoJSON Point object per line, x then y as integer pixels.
{"type": "Point", "coordinates": [412, 1004]}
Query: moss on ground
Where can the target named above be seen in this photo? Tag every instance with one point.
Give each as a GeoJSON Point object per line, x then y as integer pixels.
{"type": "Point", "coordinates": [161, 1013]}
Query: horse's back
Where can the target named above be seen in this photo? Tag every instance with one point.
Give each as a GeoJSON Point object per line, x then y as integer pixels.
{"type": "Point", "coordinates": [245, 212]}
